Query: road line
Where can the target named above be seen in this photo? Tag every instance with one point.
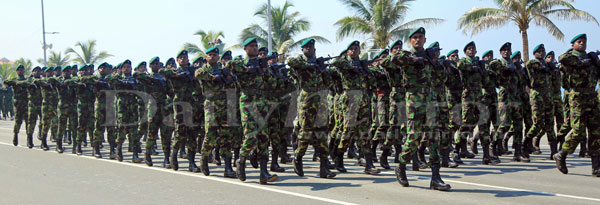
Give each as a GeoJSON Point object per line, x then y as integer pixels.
{"type": "Point", "coordinates": [197, 175]}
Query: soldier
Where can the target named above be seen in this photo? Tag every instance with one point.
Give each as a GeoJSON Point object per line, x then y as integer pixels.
{"type": "Point", "coordinates": [49, 97]}
{"type": "Point", "coordinates": [35, 104]}
{"type": "Point", "coordinates": [8, 103]}
{"type": "Point", "coordinates": [581, 70]}
{"type": "Point", "coordinates": [355, 108]}
{"type": "Point", "coordinates": [215, 81]}
{"type": "Point", "coordinates": [156, 86]}
{"type": "Point", "coordinates": [397, 110]}
{"type": "Point", "coordinates": [454, 89]}
{"type": "Point", "coordinates": [380, 106]}
{"type": "Point", "coordinates": [180, 80]}
{"type": "Point", "coordinates": [142, 118]}
{"type": "Point", "coordinates": [540, 82]}
{"type": "Point", "coordinates": [275, 82]}
{"type": "Point", "coordinates": [249, 72]}
{"type": "Point", "coordinates": [103, 122]}
{"type": "Point", "coordinates": [311, 117]}
{"type": "Point", "coordinates": [522, 91]}
{"type": "Point", "coordinates": [54, 125]}
{"type": "Point", "coordinates": [67, 110]}
{"type": "Point", "coordinates": [416, 78]}
{"type": "Point", "coordinates": [21, 101]}
{"type": "Point", "coordinates": [197, 129]}
{"type": "Point", "coordinates": [557, 103]}
{"type": "Point", "coordinates": [234, 114]}
{"type": "Point", "coordinates": [84, 95]}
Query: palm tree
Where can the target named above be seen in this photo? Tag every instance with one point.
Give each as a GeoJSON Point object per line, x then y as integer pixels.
{"type": "Point", "coordinates": [285, 25]}
{"type": "Point", "coordinates": [56, 59]}
{"type": "Point", "coordinates": [88, 54]}
{"type": "Point", "coordinates": [382, 20]}
{"type": "Point", "coordinates": [523, 13]}
{"type": "Point", "coordinates": [207, 40]}
{"type": "Point", "coordinates": [7, 71]}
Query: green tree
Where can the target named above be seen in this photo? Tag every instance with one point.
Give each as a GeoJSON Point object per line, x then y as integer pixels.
{"type": "Point", "coordinates": [523, 13]}
{"type": "Point", "coordinates": [207, 40]}
{"type": "Point", "coordinates": [382, 20]}
{"type": "Point", "coordinates": [56, 59]}
{"type": "Point", "coordinates": [87, 53]}
{"type": "Point", "coordinates": [285, 25]}
{"type": "Point", "coordinates": [7, 71]}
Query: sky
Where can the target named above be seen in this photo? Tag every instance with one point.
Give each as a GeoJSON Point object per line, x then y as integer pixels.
{"type": "Point", "coordinates": [141, 29]}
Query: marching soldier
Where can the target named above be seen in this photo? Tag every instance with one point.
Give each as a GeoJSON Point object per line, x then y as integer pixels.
{"type": "Point", "coordinates": [20, 101]}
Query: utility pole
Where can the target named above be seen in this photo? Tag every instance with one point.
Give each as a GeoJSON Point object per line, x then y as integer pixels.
{"type": "Point", "coordinates": [270, 45]}
{"type": "Point", "coordinates": [44, 34]}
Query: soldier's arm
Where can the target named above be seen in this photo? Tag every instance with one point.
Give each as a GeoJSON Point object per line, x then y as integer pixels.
{"type": "Point", "coordinates": [569, 61]}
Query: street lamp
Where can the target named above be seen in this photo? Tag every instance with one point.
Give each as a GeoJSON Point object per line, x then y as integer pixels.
{"type": "Point", "coordinates": [270, 44]}
{"type": "Point", "coordinates": [45, 46]}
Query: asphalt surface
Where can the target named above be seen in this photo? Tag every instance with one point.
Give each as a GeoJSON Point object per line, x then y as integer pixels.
{"type": "Point", "coordinates": [33, 176]}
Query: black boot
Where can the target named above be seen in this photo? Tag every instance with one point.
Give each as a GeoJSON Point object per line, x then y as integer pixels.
{"type": "Point", "coordinates": [274, 165]}
{"type": "Point", "coordinates": [30, 141]}
{"type": "Point", "coordinates": [59, 148]}
{"type": "Point", "coordinates": [85, 141]}
{"type": "Point", "coordinates": [148, 156]}
{"type": "Point", "coordinates": [370, 168]}
{"type": "Point", "coordinates": [596, 166]}
{"type": "Point", "coordinates": [191, 154]}
{"type": "Point", "coordinates": [446, 162]}
{"type": "Point", "coordinates": [120, 152]}
{"type": "Point", "coordinates": [416, 164]}
{"type": "Point", "coordinates": [182, 153]}
{"type": "Point", "coordinates": [473, 143]}
{"type": "Point", "coordinates": [339, 161]}
{"type": "Point", "coordinates": [204, 166]}
{"type": "Point", "coordinates": [16, 139]}
{"type": "Point", "coordinates": [505, 149]}
{"type": "Point", "coordinates": [401, 174]}
{"type": "Point", "coordinates": [97, 153]}
{"type": "Point", "coordinates": [315, 156]}
{"type": "Point", "coordinates": [236, 156]}
{"type": "Point", "coordinates": [525, 150]}
{"type": "Point", "coordinates": [264, 173]}
{"type": "Point", "coordinates": [285, 158]}
{"type": "Point", "coordinates": [582, 148]}
{"type": "Point", "coordinates": [518, 155]}
{"type": "Point", "coordinates": [166, 161]}
{"type": "Point", "coordinates": [79, 152]}
{"type": "Point", "coordinates": [398, 150]}
{"type": "Point", "coordinates": [352, 152]}
{"type": "Point", "coordinates": [135, 158]}
{"type": "Point", "coordinates": [487, 160]}
{"type": "Point", "coordinates": [456, 154]}
{"type": "Point", "coordinates": [421, 156]}
{"type": "Point", "coordinates": [44, 145]}
{"type": "Point", "coordinates": [216, 156]}
{"type": "Point", "coordinates": [74, 150]}
{"type": "Point", "coordinates": [553, 148]}
{"type": "Point", "coordinates": [436, 180]}
{"type": "Point", "coordinates": [253, 159]}
{"type": "Point", "coordinates": [536, 146]}
{"type": "Point", "coordinates": [561, 161]}
{"type": "Point", "coordinates": [464, 152]}
{"type": "Point", "coordinates": [113, 154]}
{"type": "Point", "coordinates": [228, 171]}
{"type": "Point", "coordinates": [174, 162]}
{"type": "Point", "coordinates": [374, 151]}
{"type": "Point", "coordinates": [241, 168]}
{"type": "Point", "coordinates": [298, 167]}
{"type": "Point", "coordinates": [324, 170]}
{"type": "Point", "coordinates": [383, 160]}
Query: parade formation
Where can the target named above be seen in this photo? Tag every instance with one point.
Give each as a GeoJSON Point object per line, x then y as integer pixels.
{"type": "Point", "coordinates": [406, 103]}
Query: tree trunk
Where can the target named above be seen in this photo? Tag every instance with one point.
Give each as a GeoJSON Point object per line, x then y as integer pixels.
{"type": "Point", "coordinates": [525, 51]}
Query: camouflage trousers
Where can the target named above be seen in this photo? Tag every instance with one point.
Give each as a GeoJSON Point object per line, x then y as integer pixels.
{"type": "Point", "coordinates": [313, 115]}
{"type": "Point", "coordinates": [337, 117]}
{"type": "Point", "coordinates": [20, 116]}
{"type": "Point", "coordinates": [380, 107]}
{"type": "Point", "coordinates": [565, 127]}
{"type": "Point", "coordinates": [585, 114]}
{"type": "Point", "coordinates": [356, 114]}
{"type": "Point", "coordinates": [511, 118]}
{"type": "Point", "coordinates": [218, 131]}
{"type": "Point", "coordinates": [416, 111]}
{"type": "Point", "coordinates": [455, 110]}
{"type": "Point", "coordinates": [85, 121]}
{"type": "Point", "coordinates": [286, 110]}
{"type": "Point", "coordinates": [557, 110]}
{"type": "Point", "coordinates": [127, 115]}
{"type": "Point", "coordinates": [185, 134]}
{"type": "Point", "coordinates": [526, 109]}
{"type": "Point", "coordinates": [396, 118]}
{"type": "Point", "coordinates": [472, 109]}
{"type": "Point", "coordinates": [197, 131]}
{"type": "Point", "coordinates": [33, 113]}
{"type": "Point", "coordinates": [104, 123]}
{"type": "Point", "coordinates": [155, 121]}
{"type": "Point", "coordinates": [489, 117]}
{"type": "Point", "coordinates": [237, 133]}
{"type": "Point", "coordinates": [67, 118]}
{"type": "Point", "coordinates": [254, 125]}
{"type": "Point", "coordinates": [542, 111]}
{"type": "Point", "coordinates": [438, 118]}
{"type": "Point", "coordinates": [48, 115]}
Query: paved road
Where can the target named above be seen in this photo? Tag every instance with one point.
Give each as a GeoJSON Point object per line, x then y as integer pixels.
{"type": "Point", "coordinates": [32, 176]}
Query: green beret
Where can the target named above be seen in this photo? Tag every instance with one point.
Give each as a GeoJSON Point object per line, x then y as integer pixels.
{"type": "Point", "coordinates": [65, 68]}
{"type": "Point", "coordinates": [74, 67]}
{"type": "Point", "coordinates": [140, 64]}
{"type": "Point", "coordinates": [20, 67]}
{"type": "Point", "coordinates": [434, 44]}
{"type": "Point", "coordinates": [549, 53]}
{"type": "Point", "coordinates": [507, 44]}
{"type": "Point", "coordinates": [228, 52]}
{"type": "Point", "coordinates": [129, 62]}
{"type": "Point", "coordinates": [306, 42]}
{"type": "Point", "coordinates": [538, 47]}
{"type": "Point", "coordinates": [91, 66]}
{"type": "Point", "coordinates": [442, 57]}
{"type": "Point", "coordinates": [213, 49]}
{"type": "Point", "coordinates": [119, 66]}
{"type": "Point", "coordinates": [468, 44]}
{"type": "Point", "coordinates": [381, 53]}
{"type": "Point", "coordinates": [154, 59]}
{"type": "Point", "coordinates": [398, 42]}
{"type": "Point", "coordinates": [452, 51]}
{"type": "Point", "coordinates": [182, 52]}
{"type": "Point", "coordinates": [418, 30]}
{"type": "Point", "coordinates": [82, 67]}
{"type": "Point", "coordinates": [265, 49]}
{"type": "Point", "coordinates": [273, 53]}
{"type": "Point", "coordinates": [249, 40]}
{"type": "Point", "coordinates": [487, 52]}
{"type": "Point", "coordinates": [170, 59]}
{"type": "Point", "coordinates": [58, 68]}
{"type": "Point", "coordinates": [343, 52]}
{"type": "Point", "coordinates": [354, 43]}
{"type": "Point", "coordinates": [515, 54]}
{"type": "Point", "coordinates": [583, 35]}
{"type": "Point", "coordinates": [199, 58]}
{"type": "Point", "coordinates": [37, 67]}
{"type": "Point", "coordinates": [46, 69]}
{"type": "Point", "coordinates": [240, 57]}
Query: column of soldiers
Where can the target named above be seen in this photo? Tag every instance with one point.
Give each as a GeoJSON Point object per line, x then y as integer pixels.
{"type": "Point", "coordinates": [405, 102]}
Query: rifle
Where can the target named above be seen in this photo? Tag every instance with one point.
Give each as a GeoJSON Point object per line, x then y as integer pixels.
{"type": "Point", "coordinates": [185, 72]}
{"type": "Point", "coordinates": [594, 56]}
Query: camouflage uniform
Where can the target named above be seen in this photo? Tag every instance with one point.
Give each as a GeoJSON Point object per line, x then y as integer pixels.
{"type": "Point", "coordinates": [557, 103]}
{"type": "Point", "coordinates": [472, 78]}
{"type": "Point", "coordinates": [397, 105]}
{"type": "Point", "coordinates": [156, 86]}
{"type": "Point", "coordinates": [8, 102]}
{"type": "Point", "coordinates": [20, 101]}
{"type": "Point", "coordinates": [49, 98]}
{"type": "Point", "coordinates": [67, 108]}
{"type": "Point", "coordinates": [34, 109]}
{"type": "Point", "coordinates": [85, 98]}
{"type": "Point", "coordinates": [102, 121]}
{"type": "Point", "coordinates": [542, 106]}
